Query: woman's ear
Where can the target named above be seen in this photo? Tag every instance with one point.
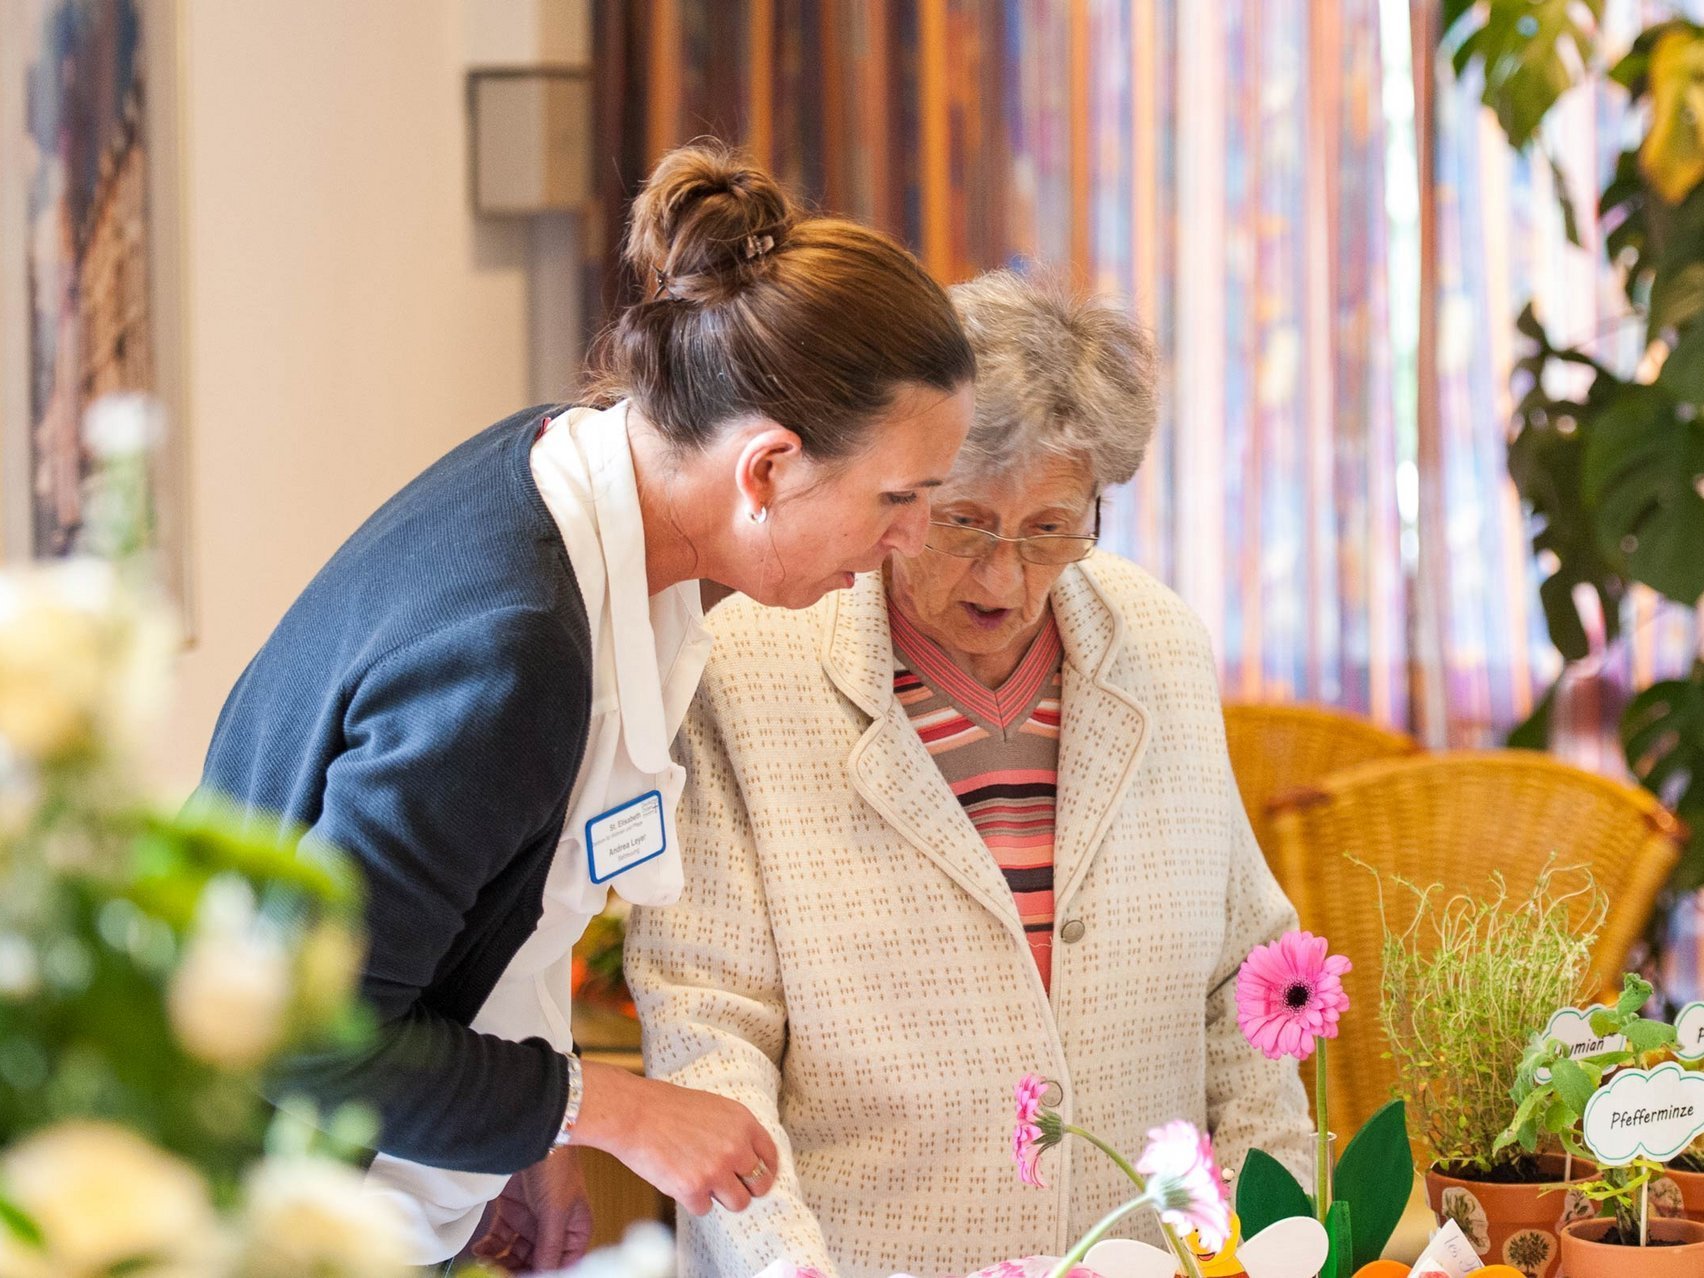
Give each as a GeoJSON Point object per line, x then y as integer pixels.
{"type": "Point", "coordinates": [763, 466]}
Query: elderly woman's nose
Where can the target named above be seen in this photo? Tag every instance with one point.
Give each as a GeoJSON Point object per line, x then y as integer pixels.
{"type": "Point", "coordinates": [1001, 567]}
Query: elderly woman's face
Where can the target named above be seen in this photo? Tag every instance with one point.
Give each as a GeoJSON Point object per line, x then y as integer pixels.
{"type": "Point", "coordinates": [993, 606]}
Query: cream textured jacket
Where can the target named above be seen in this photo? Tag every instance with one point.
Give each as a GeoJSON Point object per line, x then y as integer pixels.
{"type": "Point", "coordinates": [847, 960]}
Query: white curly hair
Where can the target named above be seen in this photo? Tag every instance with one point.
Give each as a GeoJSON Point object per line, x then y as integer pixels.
{"type": "Point", "coordinates": [1056, 374]}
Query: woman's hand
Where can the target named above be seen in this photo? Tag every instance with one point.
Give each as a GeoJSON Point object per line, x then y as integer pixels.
{"type": "Point", "coordinates": [694, 1146]}
{"type": "Point", "coordinates": [542, 1221]}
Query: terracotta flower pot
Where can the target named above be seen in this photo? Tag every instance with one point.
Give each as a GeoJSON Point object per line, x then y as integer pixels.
{"type": "Point", "coordinates": [1512, 1224]}
{"type": "Point", "coordinates": [1583, 1256]}
{"type": "Point", "coordinates": [1678, 1194]}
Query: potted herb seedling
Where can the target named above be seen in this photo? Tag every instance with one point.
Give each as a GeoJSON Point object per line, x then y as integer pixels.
{"type": "Point", "coordinates": [1466, 979]}
{"type": "Point", "coordinates": [1559, 1082]}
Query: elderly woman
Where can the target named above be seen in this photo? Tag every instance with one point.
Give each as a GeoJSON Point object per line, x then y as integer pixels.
{"type": "Point", "coordinates": [972, 819]}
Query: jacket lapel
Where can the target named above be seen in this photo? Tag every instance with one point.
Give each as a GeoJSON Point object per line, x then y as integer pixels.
{"type": "Point", "coordinates": [1104, 731]}
{"type": "Point", "coordinates": [889, 766]}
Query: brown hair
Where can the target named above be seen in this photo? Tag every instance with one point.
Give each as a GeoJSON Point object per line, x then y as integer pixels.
{"type": "Point", "coordinates": [755, 308]}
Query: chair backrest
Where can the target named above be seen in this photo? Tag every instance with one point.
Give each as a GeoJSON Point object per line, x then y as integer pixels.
{"type": "Point", "coordinates": [1454, 819]}
{"type": "Point", "coordinates": [1279, 748]}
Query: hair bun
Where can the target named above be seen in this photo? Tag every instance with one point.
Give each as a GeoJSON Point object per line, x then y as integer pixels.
{"type": "Point", "coordinates": [705, 224]}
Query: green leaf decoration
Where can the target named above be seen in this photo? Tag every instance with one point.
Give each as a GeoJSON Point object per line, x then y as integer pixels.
{"type": "Point", "coordinates": [1374, 1178]}
{"type": "Point", "coordinates": [1572, 1085]}
{"type": "Point", "coordinates": [1340, 1237]}
{"type": "Point", "coordinates": [1268, 1193]}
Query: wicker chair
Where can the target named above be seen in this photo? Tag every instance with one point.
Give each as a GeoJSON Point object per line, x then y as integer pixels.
{"type": "Point", "coordinates": [1454, 819]}
{"type": "Point", "coordinates": [1279, 748]}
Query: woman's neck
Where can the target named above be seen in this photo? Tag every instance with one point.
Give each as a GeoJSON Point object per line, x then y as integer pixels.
{"type": "Point", "coordinates": [677, 510]}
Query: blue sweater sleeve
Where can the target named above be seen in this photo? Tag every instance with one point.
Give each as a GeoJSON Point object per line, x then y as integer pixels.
{"type": "Point", "coordinates": [461, 749]}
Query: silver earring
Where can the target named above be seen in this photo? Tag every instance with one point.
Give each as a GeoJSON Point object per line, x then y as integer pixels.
{"type": "Point", "coordinates": [758, 516]}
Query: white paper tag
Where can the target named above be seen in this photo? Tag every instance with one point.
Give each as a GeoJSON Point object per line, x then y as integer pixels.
{"type": "Point", "coordinates": [625, 836]}
{"type": "Point", "coordinates": [1689, 1033]}
{"type": "Point", "coordinates": [1448, 1255]}
{"type": "Point", "coordinates": [1651, 1112]}
{"type": "Point", "coordinates": [1572, 1027]}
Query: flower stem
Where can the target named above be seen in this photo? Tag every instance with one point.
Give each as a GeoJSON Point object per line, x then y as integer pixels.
{"type": "Point", "coordinates": [1111, 1153]}
{"type": "Point", "coordinates": [1322, 1152]}
{"type": "Point", "coordinates": [1184, 1255]}
{"type": "Point", "coordinates": [1074, 1257]}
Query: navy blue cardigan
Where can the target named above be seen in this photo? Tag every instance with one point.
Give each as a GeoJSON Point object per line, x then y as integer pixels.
{"type": "Point", "coordinates": [423, 706]}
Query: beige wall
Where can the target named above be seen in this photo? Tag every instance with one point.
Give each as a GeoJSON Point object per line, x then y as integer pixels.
{"type": "Point", "coordinates": [347, 320]}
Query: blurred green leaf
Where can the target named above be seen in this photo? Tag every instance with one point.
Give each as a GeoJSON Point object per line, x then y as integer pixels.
{"type": "Point", "coordinates": [1533, 733]}
{"type": "Point", "coordinates": [1672, 154]}
{"type": "Point", "coordinates": [15, 1221]}
{"type": "Point", "coordinates": [1529, 51]}
{"type": "Point", "coordinates": [1643, 462]}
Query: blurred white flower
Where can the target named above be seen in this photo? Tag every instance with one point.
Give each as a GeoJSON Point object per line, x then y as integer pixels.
{"type": "Point", "coordinates": [20, 971]}
{"type": "Point", "coordinates": [123, 425]}
{"type": "Point", "coordinates": [103, 1196]}
{"type": "Point", "coordinates": [305, 1215]}
{"type": "Point", "coordinates": [647, 1250]}
{"type": "Point", "coordinates": [326, 969]}
{"type": "Point", "coordinates": [79, 661]}
{"type": "Point", "coordinates": [230, 993]}
{"type": "Point", "coordinates": [52, 653]}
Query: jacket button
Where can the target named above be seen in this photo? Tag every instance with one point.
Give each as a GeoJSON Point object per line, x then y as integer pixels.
{"type": "Point", "coordinates": [1072, 932]}
{"type": "Point", "coordinates": [1052, 1094]}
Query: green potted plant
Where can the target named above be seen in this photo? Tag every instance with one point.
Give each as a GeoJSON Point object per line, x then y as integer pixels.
{"type": "Point", "coordinates": [1618, 1222]}
{"type": "Point", "coordinates": [1466, 979]}
{"type": "Point", "coordinates": [1622, 1206]}
{"type": "Point", "coordinates": [1608, 469]}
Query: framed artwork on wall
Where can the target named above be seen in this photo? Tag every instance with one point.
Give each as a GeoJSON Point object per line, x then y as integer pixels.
{"type": "Point", "coordinates": [90, 264]}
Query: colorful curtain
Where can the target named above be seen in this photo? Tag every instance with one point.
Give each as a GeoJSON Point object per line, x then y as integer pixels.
{"type": "Point", "coordinates": [1224, 169]}
{"type": "Point", "coordinates": [1330, 238]}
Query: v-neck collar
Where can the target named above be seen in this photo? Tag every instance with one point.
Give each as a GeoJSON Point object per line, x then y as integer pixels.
{"type": "Point", "coordinates": [999, 708]}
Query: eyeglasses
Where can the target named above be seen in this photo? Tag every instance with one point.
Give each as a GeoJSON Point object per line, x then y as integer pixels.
{"type": "Point", "coordinates": [1050, 550]}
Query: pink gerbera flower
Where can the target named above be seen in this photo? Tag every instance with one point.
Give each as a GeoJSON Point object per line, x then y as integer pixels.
{"type": "Point", "coordinates": [1183, 1179]}
{"type": "Point", "coordinates": [1289, 994]}
{"type": "Point", "coordinates": [1037, 1129]}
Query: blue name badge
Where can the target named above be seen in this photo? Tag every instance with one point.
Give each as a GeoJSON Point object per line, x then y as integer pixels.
{"type": "Point", "coordinates": [626, 836]}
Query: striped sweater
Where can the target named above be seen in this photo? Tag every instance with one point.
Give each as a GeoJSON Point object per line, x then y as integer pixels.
{"type": "Point", "coordinates": [998, 749]}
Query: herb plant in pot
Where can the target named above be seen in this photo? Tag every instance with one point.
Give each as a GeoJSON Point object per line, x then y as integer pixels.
{"type": "Point", "coordinates": [1558, 1085]}
{"type": "Point", "coordinates": [1465, 982]}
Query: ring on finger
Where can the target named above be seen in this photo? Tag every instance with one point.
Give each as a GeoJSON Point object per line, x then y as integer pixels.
{"type": "Point", "coordinates": [755, 1175]}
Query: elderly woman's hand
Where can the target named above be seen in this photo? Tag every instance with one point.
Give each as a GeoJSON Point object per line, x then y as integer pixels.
{"type": "Point", "coordinates": [695, 1146]}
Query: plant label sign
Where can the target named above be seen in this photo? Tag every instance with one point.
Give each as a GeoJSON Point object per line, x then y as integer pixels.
{"type": "Point", "coordinates": [1572, 1027]}
{"type": "Point", "coordinates": [1654, 1113]}
{"type": "Point", "coordinates": [1689, 1033]}
{"type": "Point", "coordinates": [1448, 1255]}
